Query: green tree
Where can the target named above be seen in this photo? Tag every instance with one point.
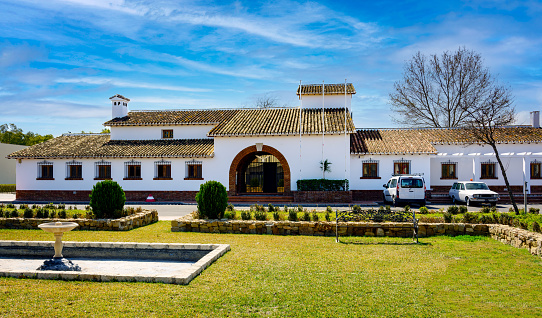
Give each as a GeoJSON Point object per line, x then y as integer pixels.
{"type": "Point", "coordinates": [10, 134]}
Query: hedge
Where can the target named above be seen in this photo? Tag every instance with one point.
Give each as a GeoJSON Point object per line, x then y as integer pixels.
{"type": "Point", "coordinates": [322, 185]}
{"type": "Point", "coordinates": [7, 188]}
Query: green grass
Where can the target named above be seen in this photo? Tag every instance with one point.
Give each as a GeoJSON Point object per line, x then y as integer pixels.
{"type": "Point", "coordinates": [300, 276]}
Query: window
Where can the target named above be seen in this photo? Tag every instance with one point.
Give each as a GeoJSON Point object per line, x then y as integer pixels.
{"type": "Point", "coordinates": [102, 170]}
{"type": "Point", "coordinates": [411, 183]}
{"type": "Point", "coordinates": [488, 170]}
{"type": "Point", "coordinates": [74, 170]}
{"type": "Point", "coordinates": [448, 170]}
{"type": "Point", "coordinates": [401, 167]}
{"type": "Point", "coordinates": [535, 170]}
{"type": "Point", "coordinates": [132, 170]}
{"type": "Point", "coordinates": [45, 170]}
{"type": "Point", "coordinates": [162, 170]}
{"type": "Point", "coordinates": [370, 169]}
{"type": "Point", "coordinates": [167, 133]}
{"type": "Point", "coordinates": [193, 170]}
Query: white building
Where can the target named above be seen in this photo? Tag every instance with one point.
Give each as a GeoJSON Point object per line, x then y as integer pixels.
{"type": "Point", "coordinates": [7, 167]}
{"type": "Point", "coordinates": [258, 153]}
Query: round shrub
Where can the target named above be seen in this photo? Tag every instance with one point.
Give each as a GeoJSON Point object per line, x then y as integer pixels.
{"type": "Point", "coordinates": [212, 200]}
{"type": "Point", "coordinates": [107, 199]}
{"type": "Point", "coordinates": [28, 213]}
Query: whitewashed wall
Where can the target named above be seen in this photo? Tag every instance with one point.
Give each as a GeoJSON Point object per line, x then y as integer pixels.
{"type": "Point", "coordinates": [155, 132]}
{"type": "Point", "coordinates": [512, 156]}
{"type": "Point", "coordinates": [306, 166]}
{"type": "Point", "coordinates": [330, 101]}
{"type": "Point", "coordinates": [27, 172]}
{"type": "Point", "coordinates": [418, 164]}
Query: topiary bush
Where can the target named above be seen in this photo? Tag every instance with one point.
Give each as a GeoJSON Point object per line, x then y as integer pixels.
{"type": "Point", "coordinates": [212, 200]}
{"type": "Point", "coordinates": [107, 199]}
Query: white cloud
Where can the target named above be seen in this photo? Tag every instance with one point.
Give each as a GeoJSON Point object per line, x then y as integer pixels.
{"type": "Point", "coordinates": [124, 83]}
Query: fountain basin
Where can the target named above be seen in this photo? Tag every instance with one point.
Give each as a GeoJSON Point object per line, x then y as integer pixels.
{"type": "Point", "coordinates": [172, 263]}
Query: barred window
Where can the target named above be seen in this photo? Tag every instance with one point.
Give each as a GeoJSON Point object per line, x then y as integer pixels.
{"type": "Point", "coordinates": [74, 170]}
{"type": "Point", "coordinates": [102, 170]}
{"type": "Point", "coordinates": [132, 170]}
{"type": "Point", "coordinates": [448, 170]}
{"type": "Point", "coordinates": [370, 168]}
{"type": "Point", "coordinates": [193, 170]}
{"type": "Point", "coordinates": [401, 167]}
{"type": "Point", "coordinates": [45, 170]}
{"type": "Point", "coordinates": [535, 170]}
{"type": "Point", "coordinates": [162, 170]}
{"type": "Point", "coordinates": [167, 133]}
{"type": "Point", "coordinates": [488, 170]}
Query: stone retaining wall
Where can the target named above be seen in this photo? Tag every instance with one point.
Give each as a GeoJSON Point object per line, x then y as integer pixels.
{"type": "Point", "coordinates": [123, 224]}
{"type": "Point", "coordinates": [517, 238]}
{"type": "Point", "coordinates": [188, 224]}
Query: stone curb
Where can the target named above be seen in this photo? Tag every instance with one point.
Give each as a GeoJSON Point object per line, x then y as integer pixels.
{"type": "Point", "coordinates": [183, 278]}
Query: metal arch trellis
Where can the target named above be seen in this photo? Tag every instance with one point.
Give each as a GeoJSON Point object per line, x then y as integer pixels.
{"type": "Point", "coordinates": [377, 215]}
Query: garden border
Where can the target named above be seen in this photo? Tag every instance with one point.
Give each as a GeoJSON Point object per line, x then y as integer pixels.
{"type": "Point", "coordinates": [122, 224]}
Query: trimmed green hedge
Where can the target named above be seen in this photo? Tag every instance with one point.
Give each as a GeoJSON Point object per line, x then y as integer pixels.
{"type": "Point", "coordinates": [7, 188]}
{"type": "Point", "coordinates": [322, 185]}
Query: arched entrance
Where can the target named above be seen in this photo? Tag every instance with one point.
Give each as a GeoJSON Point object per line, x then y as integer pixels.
{"type": "Point", "coordinates": [265, 171]}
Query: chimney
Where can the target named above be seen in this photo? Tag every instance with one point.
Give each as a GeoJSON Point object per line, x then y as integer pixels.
{"type": "Point", "coordinates": [535, 119]}
{"type": "Point", "coordinates": [120, 106]}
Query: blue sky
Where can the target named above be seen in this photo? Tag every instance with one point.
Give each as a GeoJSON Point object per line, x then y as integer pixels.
{"type": "Point", "coordinates": [60, 61]}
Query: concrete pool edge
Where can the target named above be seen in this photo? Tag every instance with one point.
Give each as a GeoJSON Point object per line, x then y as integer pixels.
{"type": "Point", "coordinates": [37, 248]}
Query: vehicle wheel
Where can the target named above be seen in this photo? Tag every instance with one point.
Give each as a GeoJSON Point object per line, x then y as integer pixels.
{"type": "Point", "coordinates": [467, 201]}
{"type": "Point", "coordinates": [423, 203]}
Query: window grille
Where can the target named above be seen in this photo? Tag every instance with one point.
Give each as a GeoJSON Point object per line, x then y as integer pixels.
{"type": "Point", "coordinates": [132, 170]}
{"type": "Point", "coordinates": [162, 169]}
{"type": "Point", "coordinates": [488, 170]}
{"type": "Point", "coordinates": [193, 169]}
{"type": "Point", "coordinates": [45, 170]}
{"type": "Point", "coordinates": [448, 170]}
{"type": "Point", "coordinates": [401, 167]}
{"type": "Point", "coordinates": [102, 170]}
{"type": "Point", "coordinates": [167, 133]}
{"type": "Point", "coordinates": [74, 170]}
{"type": "Point", "coordinates": [370, 168]}
{"type": "Point", "coordinates": [535, 169]}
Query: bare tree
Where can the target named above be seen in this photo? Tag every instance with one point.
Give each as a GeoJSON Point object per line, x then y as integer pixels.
{"type": "Point", "coordinates": [266, 101]}
{"type": "Point", "coordinates": [454, 90]}
{"type": "Point", "coordinates": [437, 91]}
{"type": "Point", "coordinates": [484, 121]}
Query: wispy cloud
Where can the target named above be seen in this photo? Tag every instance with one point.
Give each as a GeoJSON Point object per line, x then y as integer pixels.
{"type": "Point", "coordinates": [123, 83]}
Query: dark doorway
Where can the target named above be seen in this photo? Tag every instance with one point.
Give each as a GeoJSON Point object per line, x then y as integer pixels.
{"type": "Point", "coordinates": [269, 177]}
{"type": "Point", "coordinates": [262, 173]}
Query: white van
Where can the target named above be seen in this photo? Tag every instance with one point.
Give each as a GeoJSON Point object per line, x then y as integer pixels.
{"type": "Point", "coordinates": [405, 189]}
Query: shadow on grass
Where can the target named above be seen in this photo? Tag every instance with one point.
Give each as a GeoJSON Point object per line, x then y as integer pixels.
{"type": "Point", "coordinates": [385, 243]}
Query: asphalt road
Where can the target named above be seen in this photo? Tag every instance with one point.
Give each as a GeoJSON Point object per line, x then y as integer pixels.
{"type": "Point", "coordinates": [174, 211]}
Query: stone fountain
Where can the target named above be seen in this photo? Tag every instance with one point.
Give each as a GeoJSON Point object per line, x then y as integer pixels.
{"type": "Point", "coordinates": [58, 262]}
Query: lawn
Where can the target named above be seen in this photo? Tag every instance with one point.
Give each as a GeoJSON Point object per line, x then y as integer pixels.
{"type": "Point", "coordinates": [290, 276]}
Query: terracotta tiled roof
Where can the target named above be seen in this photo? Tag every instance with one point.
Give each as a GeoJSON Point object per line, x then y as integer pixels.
{"type": "Point", "coordinates": [98, 146]}
{"type": "Point", "coordinates": [283, 121]}
{"type": "Point", "coordinates": [119, 96]}
{"type": "Point", "coordinates": [330, 89]}
{"type": "Point", "coordinates": [400, 141]}
{"type": "Point", "coordinates": [173, 117]}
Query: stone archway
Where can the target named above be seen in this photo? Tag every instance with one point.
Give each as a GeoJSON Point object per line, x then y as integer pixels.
{"type": "Point", "coordinates": [240, 161]}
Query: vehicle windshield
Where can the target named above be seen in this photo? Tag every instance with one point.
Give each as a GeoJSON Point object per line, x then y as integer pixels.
{"type": "Point", "coordinates": [476, 186]}
{"type": "Point", "coordinates": [411, 183]}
